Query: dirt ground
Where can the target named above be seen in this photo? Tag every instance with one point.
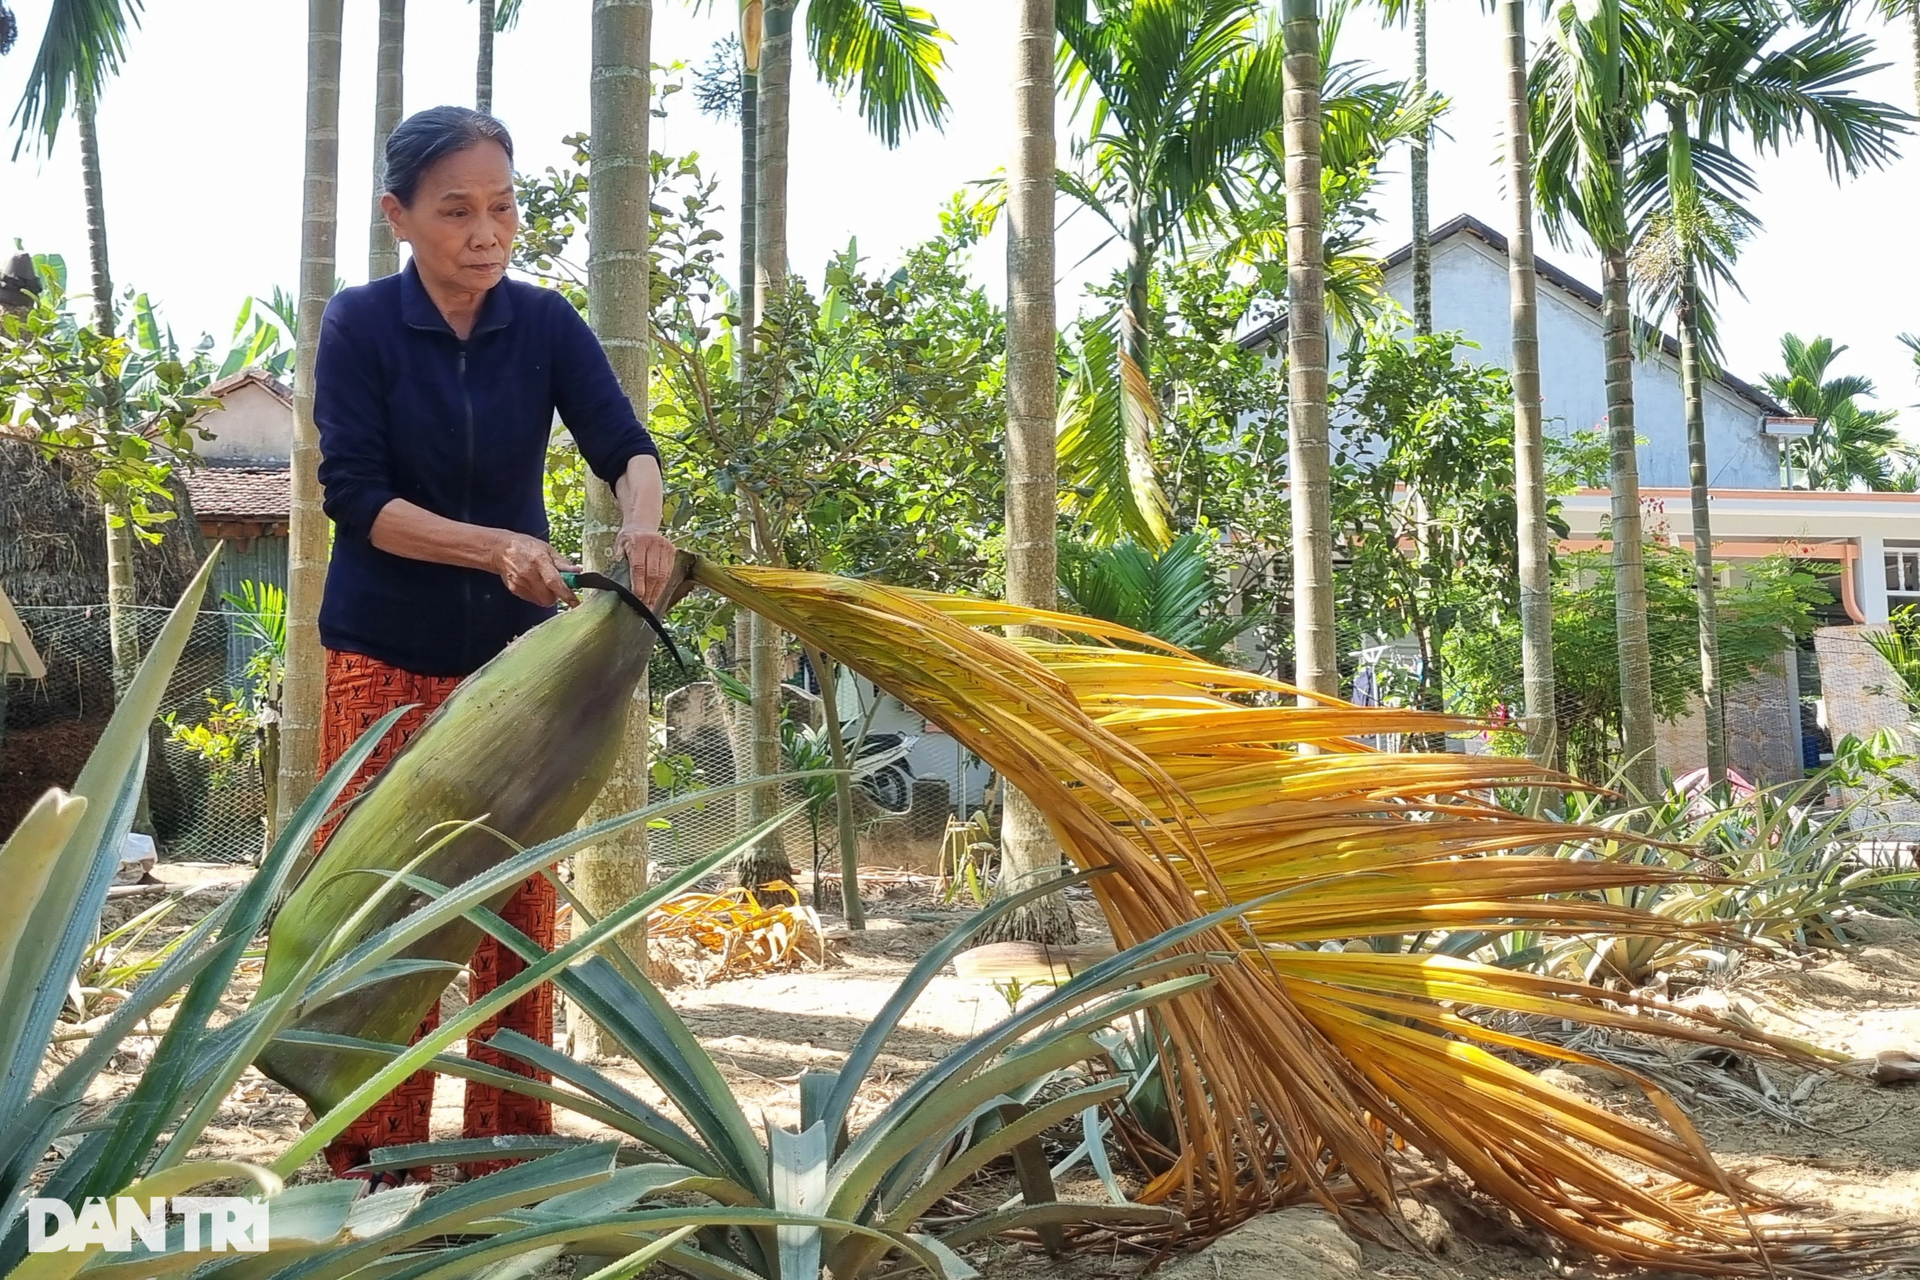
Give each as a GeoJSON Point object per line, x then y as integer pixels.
{"type": "Point", "coordinates": [1839, 1146]}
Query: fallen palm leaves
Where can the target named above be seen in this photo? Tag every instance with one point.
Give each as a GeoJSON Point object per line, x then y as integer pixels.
{"type": "Point", "coordinates": [733, 933]}
{"type": "Point", "coordinates": [1301, 1072]}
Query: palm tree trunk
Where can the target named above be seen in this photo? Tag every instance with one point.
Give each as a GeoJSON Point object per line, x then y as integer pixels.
{"type": "Point", "coordinates": [1422, 240]}
{"type": "Point", "coordinates": [383, 255]}
{"type": "Point", "coordinates": [1315, 647]}
{"type": "Point", "coordinates": [123, 624]}
{"type": "Point", "coordinates": [1913, 18]}
{"type": "Point", "coordinates": [1705, 582]}
{"type": "Point", "coordinates": [1629, 570]}
{"type": "Point", "coordinates": [608, 874]}
{"type": "Point", "coordinates": [740, 726]}
{"type": "Point", "coordinates": [1027, 847]}
{"type": "Point", "coordinates": [1529, 450]}
{"type": "Point", "coordinates": [750, 35]}
{"type": "Point", "coordinates": [304, 686]}
{"type": "Point", "coordinates": [773, 100]}
{"type": "Point", "coordinates": [483, 65]}
{"type": "Point", "coordinates": [1133, 315]}
{"type": "Point", "coordinates": [768, 861]}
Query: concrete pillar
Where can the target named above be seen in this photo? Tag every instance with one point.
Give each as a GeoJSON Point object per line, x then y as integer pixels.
{"type": "Point", "coordinates": [1870, 583]}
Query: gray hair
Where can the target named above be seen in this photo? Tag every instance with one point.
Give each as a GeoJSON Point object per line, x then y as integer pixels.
{"type": "Point", "coordinates": [426, 137]}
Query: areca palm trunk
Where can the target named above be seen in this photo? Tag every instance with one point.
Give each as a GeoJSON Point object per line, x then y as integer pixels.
{"type": "Point", "coordinates": [613, 872]}
{"type": "Point", "coordinates": [1316, 650]}
{"type": "Point", "coordinates": [1133, 313]}
{"type": "Point", "coordinates": [483, 64]}
{"type": "Point", "coordinates": [123, 624]}
{"type": "Point", "coordinates": [768, 861]}
{"type": "Point", "coordinates": [750, 37]}
{"type": "Point", "coordinates": [1529, 454]}
{"type": "Point", "coordinates": [1683, 191]}
{"type": "Point", "coordinates": [1913, 22]}
{"type": "Point", "coordinates": [304, 686]}
{"type": "Point", "coordinates": [1705, 581]}
{"type": "Point", "coordinates": [383, 255]}
{"type": "Point", "coordinates": [1027, 847]}
{"type": "Point", "coordinates": [740, 726]}
{"type": "Point", "coordinates": [1417, 171]}
{"type": "Point", "coordinates": [1629, 568]}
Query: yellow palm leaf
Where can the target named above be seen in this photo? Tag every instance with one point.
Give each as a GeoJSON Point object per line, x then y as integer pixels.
{"type": "Point", "coordinates": [1301, 1072]}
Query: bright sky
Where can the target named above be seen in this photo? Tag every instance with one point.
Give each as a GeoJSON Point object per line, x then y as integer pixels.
{"type": "Point", "coordinates": [202, 137]}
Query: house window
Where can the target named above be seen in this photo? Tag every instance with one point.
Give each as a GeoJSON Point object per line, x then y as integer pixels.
{"type": "Point", "coordinates": [1903, 576]}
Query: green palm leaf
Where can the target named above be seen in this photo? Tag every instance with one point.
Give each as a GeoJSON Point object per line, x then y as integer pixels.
{"type": "Point", "coordinates": [84, 44]}
{"type": "Point", "coordinates": [889, 53]}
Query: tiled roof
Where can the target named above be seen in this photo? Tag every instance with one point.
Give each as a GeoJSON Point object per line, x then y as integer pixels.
{"type": "Point", "coordinates": [240, 493]}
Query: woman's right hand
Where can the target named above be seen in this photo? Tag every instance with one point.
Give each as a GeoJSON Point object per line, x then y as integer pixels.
{"type": "Point", "coordinates": [531, 569]}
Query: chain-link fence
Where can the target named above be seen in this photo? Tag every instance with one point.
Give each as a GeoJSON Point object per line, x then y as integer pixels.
{"type": "Point", "coordinates": [902, 798]}
{"type": "Point", "coordinates": [202, 809]}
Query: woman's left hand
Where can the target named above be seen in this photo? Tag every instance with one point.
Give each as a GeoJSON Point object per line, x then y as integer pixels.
{"type": "Point", "coordinates": [650, 556]}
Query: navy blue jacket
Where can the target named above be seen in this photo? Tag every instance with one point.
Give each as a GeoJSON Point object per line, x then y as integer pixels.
{"type": "Point", "coordinates": [407, 410]}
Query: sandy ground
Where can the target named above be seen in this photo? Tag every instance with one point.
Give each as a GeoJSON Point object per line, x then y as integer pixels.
{"type": "Point", "coordinates": [1837, 1145]}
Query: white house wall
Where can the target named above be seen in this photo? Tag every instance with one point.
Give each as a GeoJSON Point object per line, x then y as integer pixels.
{"type": "Point", "coordinates": [252, 425]}
{"type": "Point", "coordinates": [1470, 296]}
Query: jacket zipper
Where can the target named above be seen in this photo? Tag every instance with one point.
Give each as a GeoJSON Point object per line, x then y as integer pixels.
{"type": "Point", "coordinates": [466, 510]}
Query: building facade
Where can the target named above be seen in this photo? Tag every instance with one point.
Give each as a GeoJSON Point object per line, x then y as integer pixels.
{"type": "Point", "coordinates": [1865, 545]}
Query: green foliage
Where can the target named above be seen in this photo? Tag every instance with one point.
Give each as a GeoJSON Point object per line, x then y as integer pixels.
{"type": "Point", "coordinates": [865, 435]}
{"type": "Point", "coordinates": [245, 727]}
{"type": "Point", "coordinates": [864, 438]}
{"type": "Point", "coordinates": [1108, 480]}
{"type": "Point", "coordinates": [116, 409]}
{"type": "Point", "coordinates": [1423, 493]}
{"type": "Point", "coordinates": [889, 54]}
{"type": "Point", "coordinates": [1777, 872]}
{"type": "Point", "coordinates": [81, 50]}
{"type": "Point", "coordinates": [1177, 595]}
{"type": "Point", "coordinates": [1184, 144]}
{"type": "Point", "coordinates": [1775, 601]}
{"type": "Point", "coordinates": [1899, 647]}
{"type": "Point", "coordinates": [1851, 444]}
{"type": "Point", "coordinates": [979, 1103]}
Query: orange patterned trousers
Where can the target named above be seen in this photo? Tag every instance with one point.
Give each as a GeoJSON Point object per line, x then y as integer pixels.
{"type": "Point", "coordinates": [359, 691]}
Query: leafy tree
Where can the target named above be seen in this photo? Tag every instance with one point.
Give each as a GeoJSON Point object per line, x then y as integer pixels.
{"type": "Point", "coordinates": [1423, 494]}
{"type": "Point", "coordinates": [1776, 600]}
{"type": "Point", "coordinates": [882, 455]}
{"type": "Point", "coordinates": [1186, 106]}
{"type": "Point", "coordinates": [1852, 445]}
{"type": "Point", "coordinates": [1718, 74]}
{"type": "Point", "coordinates": [117, 408]}
{"type": "Point", "coordinates": [82, 48]}
{"type": "Point", "coordinates": [1587, 105]}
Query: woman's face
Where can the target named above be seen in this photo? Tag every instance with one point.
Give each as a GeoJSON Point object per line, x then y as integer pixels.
{"type": "Point", "coordinates": [462, 220]}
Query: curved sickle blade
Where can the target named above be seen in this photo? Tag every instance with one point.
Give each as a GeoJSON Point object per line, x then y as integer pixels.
{"type": "Point", "coordinates": [600, 582]}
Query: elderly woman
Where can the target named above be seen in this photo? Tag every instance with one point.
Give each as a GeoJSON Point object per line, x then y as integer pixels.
{"type": "Point", "coordinates": [434, 393]}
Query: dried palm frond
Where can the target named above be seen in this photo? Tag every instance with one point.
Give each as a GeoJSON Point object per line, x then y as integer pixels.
{"type": "Point", "coordinates": [1302, 1072]}
{"type": "Point", "coordinates": [743, 934]}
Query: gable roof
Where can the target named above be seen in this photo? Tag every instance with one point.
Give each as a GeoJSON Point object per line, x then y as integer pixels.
{"type": "Point", "coordinates": [1581, 292]}
{"type": "Point", "coordinates": [252, 375]}
{"type": "Point", "coordinates": [255, 376]}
